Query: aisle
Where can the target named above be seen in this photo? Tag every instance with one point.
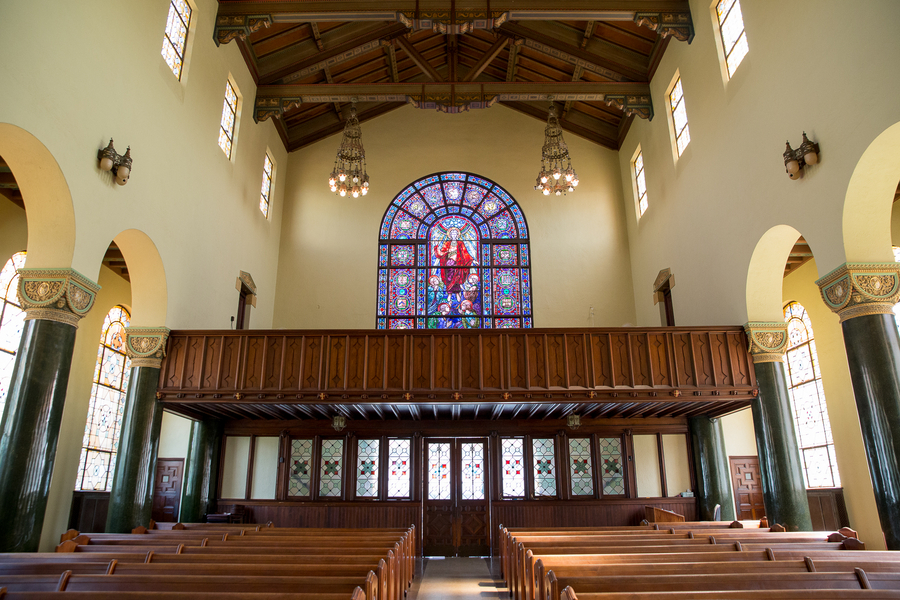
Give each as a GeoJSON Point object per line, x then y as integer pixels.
{"type": "Point", "coordinates": [457, 579]}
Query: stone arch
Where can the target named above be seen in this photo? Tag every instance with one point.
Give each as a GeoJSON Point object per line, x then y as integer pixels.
{"type": "Point", "coordinates": [48, 201]}
{"type": "Point", "coordinates": [869, 200]}
{"type": "Point", "coordinates": [149, 294]}
{"type": "Point", "coordinates": [766, 273]}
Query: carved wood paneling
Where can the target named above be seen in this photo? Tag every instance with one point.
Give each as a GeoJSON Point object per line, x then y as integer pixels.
{"type": "Point", "coordinates": [312, 358]}
{"type": "Point", "coordinates": [640, 361]}
{"type": "Point", "coordinates": [193, 363]}
{"type": "Point", "coordinates": [556, 361]}
{"type": "Point", "coordinates": [470, 363]}
{"type": "Point", "coordinates": [375, 363]}
{"type": "Point", "coordinates": [356, 362]}
{"type": "Point", "coordinates": [517, 362]}
{"type": "Point", "coordinates": [491, 362]}
{"type": "Point", "coordinates": [293, 351]}
{"type": "Point", "coordinates": [537, 361]}
{"type": "Point", "coordinates": [337, 361]}
{"type": "Point", "coordinates": [577, 361]}
{"type": "Point", "coordinates": [443, 363]}
{"type": "Point", "coordinates": [211, 356]}
{"type": "Point", "coordinates": [253, 362]}
{"type": "Point", "coordinates": [600, 345]}
{"type": "Point", "coordinates": [273, 367]}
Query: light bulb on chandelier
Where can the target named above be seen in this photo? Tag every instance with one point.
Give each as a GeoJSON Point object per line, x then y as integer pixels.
{"type": "Point", "coordinates": [349, 173]}
{"type": "Point", "coordinates": [557, 175]}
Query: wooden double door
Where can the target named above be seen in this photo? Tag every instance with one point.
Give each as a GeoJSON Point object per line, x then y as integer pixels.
{"type": "Point", "coordinates": [456, 504]}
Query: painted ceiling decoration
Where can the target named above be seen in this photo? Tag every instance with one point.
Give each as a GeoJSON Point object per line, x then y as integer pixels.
{"type": "Point", "coordinates": [310, 58]}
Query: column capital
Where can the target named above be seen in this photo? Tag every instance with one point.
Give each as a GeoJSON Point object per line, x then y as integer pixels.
{"type": "Point", "coordinates": [861, 289]}
{"type": "Point", "coordinates": [61, 295]}
{"type": "Point", "coordinates": [768, 340]}
{"type": "Point", "coordinates": [146, 346]}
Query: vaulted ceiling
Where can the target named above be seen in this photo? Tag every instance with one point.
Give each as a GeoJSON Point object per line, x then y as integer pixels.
{"type": "Point", "coordinates": [595, 58]}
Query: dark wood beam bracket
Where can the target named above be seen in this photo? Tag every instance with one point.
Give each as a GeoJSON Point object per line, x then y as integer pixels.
{"type": "Point", "coordinates": [676, 24]}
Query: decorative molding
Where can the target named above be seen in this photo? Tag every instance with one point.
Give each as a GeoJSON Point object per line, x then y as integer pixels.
{"type": "Point", "coordinates": [333, 60]}
{"type": "Point", "coordinates": [768, 340]}
{"type": "Point", "coordinates": [229, 27]}
{"type": "Point", "coordinates": [146, 346]}
{"type": "Point", "coordinates": [633, 105]}
{"type": "Point", "coordinates": [861, 289]}
{"type": "Point", "coordinates": [569, 58]}
{"type": "Point", "coordinates": [61, 295]}
{"type": "Point", "coordinates": [664, 276]}
{"type": "Point", "coordinates": [246, 280]}
{"type": "Point", "coordinates": [677, 24]}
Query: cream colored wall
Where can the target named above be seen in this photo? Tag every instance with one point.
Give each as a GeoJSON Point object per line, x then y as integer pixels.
{"type": "Point", "coordinates": [265, 468]}
{"type": "Point", "coordinates": [327, 268]}
{"type": "Point", "coordinates": [234, 466]}
{"type": "Point", "coordinates": [646, 466]}
{"type": "Point", "coordinates": [13, 230]}
{"type": "Point", "coordinates": [848, 443]}
{"type": "Point", "coordinates": [198, 207]}
{"type": "Point", "coordinates": [115, 290]}
{"type": "Point", "coordinates": [678, 471]}
{"type": "Point", "coordinates": [174, 436]}
{"type": "Point", "coordinates": [708, 209]}
{"type": "Point", "coordinates": [737, 429]}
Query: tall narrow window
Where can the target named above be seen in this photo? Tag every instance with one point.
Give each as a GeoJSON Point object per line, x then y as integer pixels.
{"type": "Point", "coordinates": [332, 468]}
{"type": "Point", "coordinates": [399, 473]}
{"type": "Point", "coordinates": [12, 321]}
{"type": "Point", "coordinates": [472, 474]}
{"type": "Point", "coordinates": [679, 117]}
{"type": "Point", "coordinates": [731, 27]}
{"type": "Point", "coordinates": [612, 470]}
{"type": "Point", "coordinates": [175, 39]}
{"type": "Point", "coordinates": [104, 421]}
{"type": "Point", "coordinates": [808, 401]}
{"type": "Point", "coordinates": [544, 456]}
{"type": "Point", "coordinates": [581, 468]}
{"type": "Point", "coordinates": [439, 471]}
{"type": "Point", "coordinates": [229, 117]}
{"type": "Point", "coordinates": [367, 464]}
{"type": "Point", "coordinates": [512, 455]}
{"type": "Point", "coordinates": [266, 187]}
{"type": "Point", "coordinates": [640, 183]}
{"type": "Point", "coordinates": [301, 468]}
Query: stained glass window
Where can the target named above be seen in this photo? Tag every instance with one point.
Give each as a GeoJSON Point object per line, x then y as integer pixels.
{"type": "Point", "coordinates": [301, 468]}
{"type": "Point", "coordinates": [731, 26]}
{"type": "Point", "coordinates": [453, 254]}
{"type": "Point", "coordinates": [175, 39]}
{"type": "Point", "coordinates": [12, 321]}
{"type": "Point", "coordinates": [639, 181]}
{"type": "Point", "coordinates": [399, 473]}
{"type": "Point", "coordinates": [104, 421]}
{"type": "Point", "coordinates": [581, 470]}
{"type": "Point", "coordinates": [438, 471]}
{"type": "Point", "coordinates": [266, 186]}
{"type": "Point", "coordinates": [544, 454]}
{"type": "Point", "coordinates": [679, 117]}
{"type": "Point", "coordinates": [808, 401]}
{"type": "Point", "coordinates": [472, 470]}
{"type": "Point", "coordinates": [512, 456]}
{"type": "Point", "coordinates": [229, 117]}
{"type": "Point", "coordinates": [367, 468]}
{"type": "Point", "coordinates": [612, 471]}
{"type": "Point", "coordinates": [331, 468]}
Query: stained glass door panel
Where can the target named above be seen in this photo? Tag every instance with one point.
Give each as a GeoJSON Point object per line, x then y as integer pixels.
{"type": "Point", "coordinates": [457, 519]}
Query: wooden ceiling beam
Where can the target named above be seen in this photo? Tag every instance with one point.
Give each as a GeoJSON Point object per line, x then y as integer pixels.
{"type": "Point", "coordinates": [314, 27]}
{"type": "Point", "coordinates": [483, 62]}
{"type": "Point", "coordinates": [392, 57]}
{"type": "Point", "coordinates": [418, 59]}
{"type": "Point", "coordinates": [588, 32]}
{"type": "Point", "coordinates": [580, 131]}
{"type": "Point", "coordinates": [513, 60]}
{"type": "Point", "coordinates": [307, 133]}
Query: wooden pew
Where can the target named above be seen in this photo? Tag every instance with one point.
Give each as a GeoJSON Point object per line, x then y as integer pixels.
{"type": "Point", "coordinates": [357, 594]}
{"type": "Point", "coordinates": [813, 594]}
{"type": "Point", "coordinates": [661, 515]}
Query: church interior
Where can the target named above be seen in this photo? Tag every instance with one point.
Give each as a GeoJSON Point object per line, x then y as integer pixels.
{"type": "Point", "coordinates": [686, 315]}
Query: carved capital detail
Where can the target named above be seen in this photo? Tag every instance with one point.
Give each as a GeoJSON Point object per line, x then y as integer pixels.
{"type": "Point", "coordinates": [146, 346]}
{"type": "Point", "coordinates": [678, 24]}
{"type": "Point", "coordinates": [639, 106]}
{"type": "Point", "coordinates": [861, 289]}
{"type": "Point", "coordinates": [768, 340]}
{"type": "Point", "coordinates": [61, 295]}
{"type": "Point", "coordinates": [229, 27]}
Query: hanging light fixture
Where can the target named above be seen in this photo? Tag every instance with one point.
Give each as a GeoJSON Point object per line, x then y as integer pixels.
{"type": "Point", "coordinates": [349, 174]}
{"type": "Point", "coordinates": [557, 175]}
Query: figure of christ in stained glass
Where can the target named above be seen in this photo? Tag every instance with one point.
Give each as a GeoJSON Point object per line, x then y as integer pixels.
{"type": "Point", "coordinates": [454, 291]}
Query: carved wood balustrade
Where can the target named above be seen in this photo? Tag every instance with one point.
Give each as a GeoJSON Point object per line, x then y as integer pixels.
{"type": "Point", "coordinates": [609, 372]}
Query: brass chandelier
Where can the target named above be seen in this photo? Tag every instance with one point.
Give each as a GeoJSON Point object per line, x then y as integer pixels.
{"type": "Point", "coordinates": [557, 175]}
{"type": "Point", "coordinates": [349, 173]}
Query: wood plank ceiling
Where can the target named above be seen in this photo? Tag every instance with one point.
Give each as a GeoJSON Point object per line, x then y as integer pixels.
{"type": "Point", "coordinates": [596, 58]}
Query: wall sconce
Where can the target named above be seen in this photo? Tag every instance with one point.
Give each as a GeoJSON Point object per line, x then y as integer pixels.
{"type": "Point", "coordinates": [338, 422]}
{"type": "Point", "coordinates": [120, 165]}
{"type": "Point", "coordinates": [795, 160]}
{"type": "Point", "coordinates": [573, 421]}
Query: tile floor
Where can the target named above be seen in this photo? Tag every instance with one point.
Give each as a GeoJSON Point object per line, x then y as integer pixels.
{"type": "Point", "coordinates": [458, 579]}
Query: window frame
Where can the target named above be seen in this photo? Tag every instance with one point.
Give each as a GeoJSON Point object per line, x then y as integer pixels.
{"type": "Point", "coordinates": [188, 38]}
{"type": "Point", "coordinates": [677, 152]}
{"type": "Point", "coordinates": [236, 111]}
{"type": "Point", "coordinates": [722, 52]}
{"type": "Point", "coordinates": [639, 198]}
{"type": "Point", "coordinates": [270, 175]}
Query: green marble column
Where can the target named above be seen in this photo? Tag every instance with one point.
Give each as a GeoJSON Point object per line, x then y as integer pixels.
{"type": "Point", "coordinates": [215, 458]}
{"type": "Point", "coordinates": [711, 466]}
{"type": "Point", "coordinates": [131, 497]}
{"type": "Point", "coordinates": [863, 296]}
{"type": "Point", "coordinates": [199, 473]}
{"type": "Point", "coordinates": [784, 491]}
{"type": "Point", "coordinates": [54, 300]}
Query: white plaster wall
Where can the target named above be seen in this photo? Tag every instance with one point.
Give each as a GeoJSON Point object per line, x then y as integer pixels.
{"type": "Point", "coordinates": [329, 245]}
{"type": "Point", "coordinates": [646, 466]}
{"type": "Point", "coordinates": [678, 472]}
{"type": "Point", "coordinates": [234, 466]}
{"type": "Point", "coordinates": [174, 436]}
{"type": "Point", "coordinates": [265, 468]}
{"type": "Point", "coordinates": [13, 230]}
{"type": "Point", "coordinates": [740, 439]}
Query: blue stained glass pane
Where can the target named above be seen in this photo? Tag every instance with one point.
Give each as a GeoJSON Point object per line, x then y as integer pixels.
{"type": "Point", "coordinates": [453, 192]}
{"type": "Point", "coordinates": [453, 177]}
{"type": "Point", "coordinates": [526, 292]}
{"type": "Point", "coordinates": [506, 292]}
{"type": "Point", "coordinates": [420, 323]}
{"type": "Point", "coordinates": [427, 181]}
{"type": "Point", "coordinates": [486, 254]}
{"type": "Point", "coordinates": [422, 248]}
{"type": "Point", "coordinates": [477, 218]}
{"type": "Point", "coordinates": [430, 218]}
{"type": "Point", "coordinates": [433, 195]}
{"type": "Point", "coordinates": [502, 226]}
{"type": "Point", "coordinates": [416, 206]}
{"type": "Point", "coordinates": [506, 323]}
{"type": "Point", "coordinates": [467, 211]}
{"type": "Point", "coordinates": [423, 229]}
{"type": "Point", "coordinates": [441, 211]}
{"type": "Point", "coordinates": [482, 182]}
{"type": "Point", "coordinates": [453, 322]}
{"type": "Point", "coordinates": [386, 224]}
{"type": "Point", "coordinates": [486, 323]}
{"type": "Point", "coordinates": [402, 292]}
{"type": "Point", "coordinates": [490, 206]}
{"type": "Point", "coordinates": [520, 221]}
{"type": "Point", "coordinates": [404, 195]}
{"type": "Point", "coordinates": [505, 255]}
{"type": "Point", "coordinates": [523, 249]}
{"type": "Point", "coordinates": [382, 255]}
{"type": "Point", "coordinates": [501, 193]}
{"type": "Point", "coordinates": [382, 291]}
{"type": "Point", "coordinates": [452, 209]}
{"type": "Point", "coordinates": [401, 324]}
{"type": "Point", "coordinates": [528, 322]}
{"type": "Point", "coordinates": [420, 292]}
{"type": "Point", "coordinates": [382, 323]}
{"type": "Point", "coordinates": [473, 196]}
{"type": "Point", "coordinates": [403, 256]}
{"type": "Point", "coordinates": [404, 227]}
{"type": "Point", "coordinates": [486, 281]}
{"type": "Point", "coordinates": [485, 232]}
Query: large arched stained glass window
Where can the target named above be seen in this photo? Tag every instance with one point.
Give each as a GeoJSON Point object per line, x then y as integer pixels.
{"type": "Point", "coordinates": [808, 401]}
{"type": "Point", "coordinates": [12, 321]}
{"type": "Point", "coordinates": [454, 254]}
{"type": "Point", "coordinates": [104, 421]}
